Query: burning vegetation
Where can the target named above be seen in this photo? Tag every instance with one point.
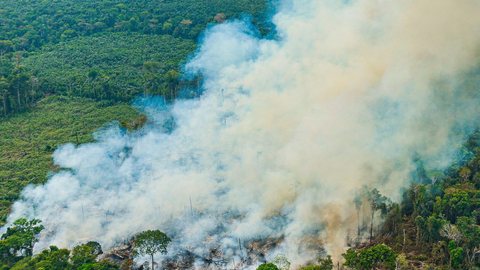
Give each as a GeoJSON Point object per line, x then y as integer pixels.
{"type": "Point", "coordinates": [336, 136]}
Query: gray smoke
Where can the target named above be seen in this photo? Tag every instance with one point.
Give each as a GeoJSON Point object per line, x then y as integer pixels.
{"type": "Point", "coordinates": [284, 134]}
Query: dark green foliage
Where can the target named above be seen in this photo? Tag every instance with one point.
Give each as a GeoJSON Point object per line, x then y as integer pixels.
{"type": "Point", "coordinates": [18, 241]}
{"type": "Point", "coordinates": [28, 24]}
{"type": "Point", "coordinates": [378, 202]}
{"type": "Point", "coordinates": [267, 266]}
{"type": "Point", "coordinates": [85, 254]}
{"type": "Point", "coordinates": [18, 89]}
{"type": "Point", "coordinates": [433, 226]}
{"type": "Point", "coordinates": [459, 201]}
{"type": "Point", "coordinates": [64, 259]}
{"type": "Point", "coordinates": [456, 255]}
{"type": "Point", "coordinates": [112, 66]}
{"type": "Point", "coordinates": [151, 242]}
{"type": "Point", "coordinates": [98, 49]}
{"type": "Point", "coordinates": [393, 219]}
{"type": "Point", "coordinates": [52, 259]}
{"type": "Point", "coordinates": [378, 256]}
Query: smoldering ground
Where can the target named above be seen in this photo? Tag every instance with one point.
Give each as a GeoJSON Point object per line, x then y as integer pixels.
{"type": "Point", "coordinates": [286, 131]}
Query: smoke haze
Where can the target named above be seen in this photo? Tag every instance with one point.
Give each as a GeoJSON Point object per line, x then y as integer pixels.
{"type": "Point", "coordinates": [284, 134]}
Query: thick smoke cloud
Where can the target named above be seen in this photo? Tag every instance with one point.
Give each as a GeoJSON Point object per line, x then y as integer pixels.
{"type": "Point", "coordinates": [284, 134]}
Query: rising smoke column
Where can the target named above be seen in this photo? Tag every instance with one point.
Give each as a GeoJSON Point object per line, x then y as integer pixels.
{"type": "Point", "coordinates": [284, 134]}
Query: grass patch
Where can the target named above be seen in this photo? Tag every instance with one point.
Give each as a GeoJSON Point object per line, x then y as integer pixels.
{"type": "Point", "coordinates": [27, 140]}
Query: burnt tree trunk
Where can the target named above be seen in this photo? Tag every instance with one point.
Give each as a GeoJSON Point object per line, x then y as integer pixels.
{"type": "Point", "coordinates": [153, 267]}
{"type": "Point", "coordinates": [371, 225]}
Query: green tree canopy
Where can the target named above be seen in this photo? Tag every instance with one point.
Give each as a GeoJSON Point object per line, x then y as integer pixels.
{"type": "Point", "coordinates": [151, 242]}
{"type": "Point", "coordinates": [267, 266]}
{"type": "Point", "coordinates": [85, 254]}
{"type": "Point", "coordinates": [378, 256]}
{"type": "Point", "coordinates": [18, 241]}
{"type": "Point", "coordinates": [51, 259]}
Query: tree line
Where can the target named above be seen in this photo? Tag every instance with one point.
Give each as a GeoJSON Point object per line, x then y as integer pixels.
{"type": "Point", "coordinates": [143, 44]}
{"type": "Point", "coordinates": [17, 243]}
{"type": "Point", "coordinates": [114, 67]}
{"type": "Point", "coordinates": [30, 24]}
{"type": "Point", "coordinates": [18, 88]}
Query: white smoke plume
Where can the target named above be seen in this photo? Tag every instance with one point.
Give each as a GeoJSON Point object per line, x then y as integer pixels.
{"type": "Point", "coordinates": [284, 134]}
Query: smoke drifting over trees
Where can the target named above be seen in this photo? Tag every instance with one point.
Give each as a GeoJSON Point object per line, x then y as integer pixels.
{"type": "Point", "coordinates": [284, 135]}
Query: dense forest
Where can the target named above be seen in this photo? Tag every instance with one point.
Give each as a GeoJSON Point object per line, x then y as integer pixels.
{"type": "Point", "coordinates": [111, 66]}
{"type": "Point", "coordinates": [109, 50]}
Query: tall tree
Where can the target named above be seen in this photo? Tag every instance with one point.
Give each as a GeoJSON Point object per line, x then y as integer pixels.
{"type": "Point", "coordinates": [172, 77]}
{"type": "Point", "coordinates": [20, 84]}
{"type": "Point", "coordinates": [377, 202]}
{"type": "Point", "coordinates": [358, 204]}
{"type": "Point", "coordinates": [18, 241]}
{"type": "Point", "coordinates": [151, 242]}
{"type": "Point", "coordinates": [151, 76]}
{"type": "Point", "coordinates": [4, 94]}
